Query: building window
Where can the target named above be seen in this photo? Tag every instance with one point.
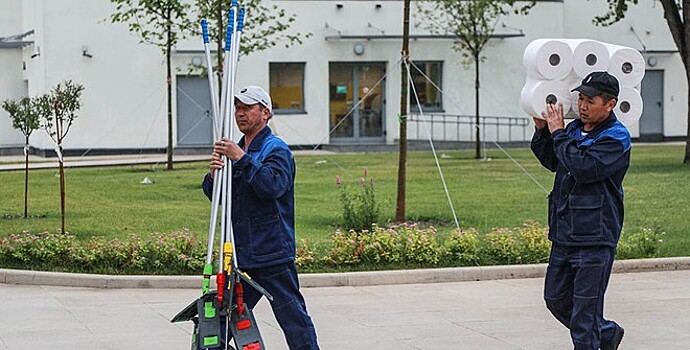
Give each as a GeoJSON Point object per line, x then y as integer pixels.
{"type": "Point", "coordinates": [429, 92]}
{"type": "Point", "coordinates": [287, 87]}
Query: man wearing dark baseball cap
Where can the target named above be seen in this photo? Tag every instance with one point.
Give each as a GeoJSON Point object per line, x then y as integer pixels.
{"type": "Point", "coordinates": [590, 157]}
{"type": "Point", "coordinates": [598, 84]}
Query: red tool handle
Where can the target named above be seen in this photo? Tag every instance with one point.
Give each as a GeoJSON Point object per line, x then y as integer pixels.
{"type": "Point", "coordinates": [220, 281]}
{"type": "Point", "coordinates": [239, 295]}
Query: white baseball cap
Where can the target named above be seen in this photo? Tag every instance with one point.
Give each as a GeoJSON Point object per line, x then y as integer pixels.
{"type": "Point", "coordinates": [251, 95]}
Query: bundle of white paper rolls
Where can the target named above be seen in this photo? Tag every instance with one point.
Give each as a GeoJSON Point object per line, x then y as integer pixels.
{"type": "Point", "coordinates": [556, 66]}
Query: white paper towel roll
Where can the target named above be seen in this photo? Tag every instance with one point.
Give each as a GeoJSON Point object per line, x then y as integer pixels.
{"type": "Point", "coordinates": [588, 56]}
{"type": "Point", "coordinates": [572, 82]}
{"type": "Point", "coordinates": [536, 93]}
{"type": "Point", "coordinates": [547, 59]}
{"type": "Point", "coordinates": [626, 64]}
{"type": "Point", "coordinates": [629, 107]}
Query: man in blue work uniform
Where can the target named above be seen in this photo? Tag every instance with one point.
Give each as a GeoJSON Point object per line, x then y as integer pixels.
{"type": "Point", "coordinates": [590, 157]}
{"type": "Point", "coordinates": [263, 214]}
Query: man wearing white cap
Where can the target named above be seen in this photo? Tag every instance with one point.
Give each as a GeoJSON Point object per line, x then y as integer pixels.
{"type": "Point", "coordinates": [263, 213]}
{"type": "Point", "coordinates": [590, 156]}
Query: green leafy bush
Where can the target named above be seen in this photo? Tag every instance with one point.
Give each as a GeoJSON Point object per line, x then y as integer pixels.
{"type": "Point", "coordinates": [360, 208]}
{"type": "Point", "coordinates": [463, 246]}
{"type": "Point", "coordinates": [421, 245]}
{"type": "Point", "coordinates": [503, 247]}
{"type": "Point", "coordinates": [404, 245]}
{"type": "Point", "coordinates": [409, 244]}
{"type": "Point", "coordinates": [174, 253]}
{"type": "Point", "coordinates": [642, 244]}
{"type": "Point", "coordinates": [534, 243]}
{"type": "Point", "coordinates": [305, 254]}
{"type": "Point", "coordinates": [382, 245]}
{"type": "Point", "coordinates": [345, 250]}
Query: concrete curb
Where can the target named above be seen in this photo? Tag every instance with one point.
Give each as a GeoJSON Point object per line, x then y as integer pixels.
{"type": "Point", "coordinates": [369, 278]}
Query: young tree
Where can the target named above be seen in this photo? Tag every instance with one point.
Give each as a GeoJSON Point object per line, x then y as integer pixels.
{"type": "Point", "coordinates": [401, 201]}
{"type": "Point", "coordinates": [471, 23]}
{"type": "Point", "coordinates": [676, 12]}
{"type": "Point", "coordinates": [25, 118]}
{"type": "Point", "coordinates": [161, 23]}
{"type": "Point", "coordinates": [58, 111]}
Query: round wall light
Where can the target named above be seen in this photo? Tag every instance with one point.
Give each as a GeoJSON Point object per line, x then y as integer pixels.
{"type": "Point", "coordinates": [358, 49]}
{"type": "Point", "coordinates": [651, 61]}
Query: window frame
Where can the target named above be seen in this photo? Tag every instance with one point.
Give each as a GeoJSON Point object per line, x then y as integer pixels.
{"type": "Point", "coordinates": [413, 103]}
{"type": "Point", "coordinates": [303, 109]}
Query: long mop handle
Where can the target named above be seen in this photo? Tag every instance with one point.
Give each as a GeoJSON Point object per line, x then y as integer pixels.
{"type": "Point", "coordinates": [209, 74]}
{"type": "Point", "coordinates": [226, 222]}
{"type": "Point", "coordinates": [208, 266]}
{"type": "Point", "coordinates": [236, 38]}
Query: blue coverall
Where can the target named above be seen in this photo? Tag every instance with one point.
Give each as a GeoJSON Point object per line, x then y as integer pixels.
{"type": "Point", "coordinates": [263, 219]}
{"type": "Point", "coordinates": [585, 221]}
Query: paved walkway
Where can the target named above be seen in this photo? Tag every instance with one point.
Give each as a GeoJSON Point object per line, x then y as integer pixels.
{"type": "Point", "coordinates": [17, 162]}
{"type": "Point", "coordinates": [654, 308]}
{"type": "Point", "coordinates": [9, 163]}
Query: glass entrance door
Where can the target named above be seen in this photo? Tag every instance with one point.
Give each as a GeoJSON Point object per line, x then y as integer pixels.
{"type": "Point", "coordinates": [354, 84]}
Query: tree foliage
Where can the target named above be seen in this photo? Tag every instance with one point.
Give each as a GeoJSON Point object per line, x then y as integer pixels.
{"type": "Point", "coordinates": [59, 109]}
{"type": "Point", "coordinates": [24, 115]}
{"type": "Point", "coordinates": [676, 13]}
{"type": "Point", "coordinates": [157, 22]}
{"type": "Point", "coordinates": [161, 23]}
{"type": "Point", "coordinates": [266, 26]}
{"type": "Point", "coordinates": [471, 23]}
{"type": "Point", "coordinates": [25, 118]}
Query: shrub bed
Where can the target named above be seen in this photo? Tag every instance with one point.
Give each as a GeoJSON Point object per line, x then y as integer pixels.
{"type": "Point", "coordinates": [406, 245]}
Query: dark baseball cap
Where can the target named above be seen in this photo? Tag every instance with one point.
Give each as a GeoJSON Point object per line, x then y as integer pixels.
{"type": "Point", "coordinates": [598, 83]}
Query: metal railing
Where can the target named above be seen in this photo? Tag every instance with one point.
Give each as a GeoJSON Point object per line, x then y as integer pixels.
{"type": "Point", "coordinates": [454, 127]}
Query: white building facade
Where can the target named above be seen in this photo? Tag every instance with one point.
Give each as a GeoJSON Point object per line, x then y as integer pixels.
{"type": "Point", "coordinates": [341, 86]}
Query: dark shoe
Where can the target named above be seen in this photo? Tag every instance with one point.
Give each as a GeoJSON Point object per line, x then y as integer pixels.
{"type": "Point", "coordinates": [615, 341]}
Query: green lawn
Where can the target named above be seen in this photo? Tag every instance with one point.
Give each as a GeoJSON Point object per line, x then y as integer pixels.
{"type": "Point", "coordinates": [110, 201]}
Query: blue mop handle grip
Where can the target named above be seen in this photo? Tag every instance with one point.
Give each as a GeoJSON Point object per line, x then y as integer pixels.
{"type": "Point", "coordinates": [228, 32]}
{"type": "Point", "coordinates": [204, 30]}
{"type": "Point", "coordinates": [240, 20]}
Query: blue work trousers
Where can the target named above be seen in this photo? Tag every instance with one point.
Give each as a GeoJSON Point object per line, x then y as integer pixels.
{"type": "Point", "coordinates": [576, 280]}
{"type": "Point", "coordinates": [288, 304]}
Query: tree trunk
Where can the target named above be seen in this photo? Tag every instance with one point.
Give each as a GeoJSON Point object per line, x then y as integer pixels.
{"type": "Point", "coordinates": [675, 13]}
{"type": "Point", "coordinates": [169, 74]}
{"type": "Point", "coordinates": [680, 30]}
{"type": "Point", "coordinates": [478, 152]}
{"type": "Point", "coordinates": [26, 177]}
{"type": "Point", "coordinates": [686, 159]}
{"type": "Point", "coordinates": [402, 160]}
{"type": "Point", "coordinates": [62, 192]}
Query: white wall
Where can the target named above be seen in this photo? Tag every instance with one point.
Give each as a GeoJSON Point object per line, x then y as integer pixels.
{"type": "Point", "coordinates": [649, 28]}
{"type": "Point", "coordinates": [11, 84]}
{"type": "Point", "coordinates": [124, 104]}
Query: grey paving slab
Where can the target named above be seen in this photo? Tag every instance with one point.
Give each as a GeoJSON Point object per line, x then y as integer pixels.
{"type": "Point", "coordinates": [654, 307]}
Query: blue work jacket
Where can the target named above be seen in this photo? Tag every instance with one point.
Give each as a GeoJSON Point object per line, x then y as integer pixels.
{"type": "Point", "coordinates": [586, 203]}
{"type": "Point", "coordinates": [263, 202]}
